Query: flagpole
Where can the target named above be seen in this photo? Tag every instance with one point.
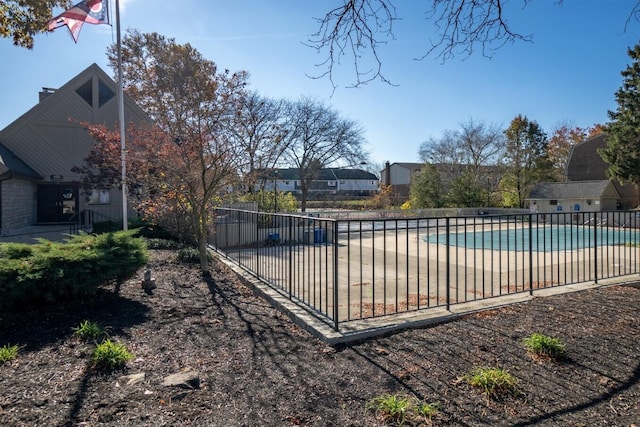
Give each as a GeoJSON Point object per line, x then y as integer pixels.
{"type": "Point", "coordinates": [121, 120]}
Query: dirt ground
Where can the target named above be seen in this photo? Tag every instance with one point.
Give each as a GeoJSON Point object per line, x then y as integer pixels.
{"type": "Point", "coordinates": [256, 368]}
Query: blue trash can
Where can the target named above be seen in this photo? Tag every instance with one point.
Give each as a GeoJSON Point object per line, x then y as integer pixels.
{"type": "Point", "coordinates": [318, 235]}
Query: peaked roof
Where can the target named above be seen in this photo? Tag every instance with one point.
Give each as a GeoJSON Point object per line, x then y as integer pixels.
{"type": "Point", "coordinates": [584, 161]}
{"type": "Point", "coordinates": [48, 139]}
{"type": "Point", "coordinates": [572, 190]}
{"type": "Point", "coordinates": [327, 174]}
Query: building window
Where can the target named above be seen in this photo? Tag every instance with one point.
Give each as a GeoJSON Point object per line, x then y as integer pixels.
{"type": "Point", "coordinates": [332, 183]}
{"type": "Point", "coordinates": [86, 92]}
{"type": "Point", "coordinates": [99, 197]}
{"type": "Point", "coordinates": [553, 202]}
{"type": "Point", "coordinates": [104, 93]}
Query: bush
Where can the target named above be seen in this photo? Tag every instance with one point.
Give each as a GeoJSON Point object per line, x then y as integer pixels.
{"type": "Point", "coordinates": [398, 409]}
{"type": "Point", "coordinates": [51, 271]}
{"type": "Point", "coordinates": [155, 243]}
{"type": "Point", "coordinates": [88, 331]}
{"type": "Point", "coordinates": [495, 382]}
{"type": "Point", "coordinates": [8, 352]}
{"type": "Point", "coordinates": [543, 347]}
{"type": "Point", "coordinates": [106, 227]}
{"type": "Point", "coordinates": [189, 255]}
{"type": "Point", "coordinates": [111, 355]}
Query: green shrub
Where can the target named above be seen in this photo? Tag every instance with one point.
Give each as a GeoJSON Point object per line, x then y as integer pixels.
{"type": "Point", "coordinates": [398, 409]}
{"type": "Point", "coordinates": [8, 352]}
{"type": "Point", "coordinates": [391, 407]}
{"type": "Point", "coordinates": [106, 227]}
{"type": "Point", "coordinates": [544, 347]}
{"type": "Point", "coordinates": [495, 382]}
{"type": "Point", "coordinates": [189, 255]}
{"type": "Point", "coordinates": [428, 410]}
{"type": "Point", "coordinates": [15, 250]}
{"type": "Point", "coordinates": [152, 231]}
{"type": "Point", "coordinates": [156, 243]}
{"type": "Point", "coordinates": [111, 355]}
{"type": "Point", "coordinates": [78, 267]}
{"type": "Point", "coordinates": [88, 331]}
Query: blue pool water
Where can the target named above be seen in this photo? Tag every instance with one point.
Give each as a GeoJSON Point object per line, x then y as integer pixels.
{"type": "Point", "coordinates": [543, 239]}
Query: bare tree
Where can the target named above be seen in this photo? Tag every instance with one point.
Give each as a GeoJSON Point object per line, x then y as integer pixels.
{"type": "Point", "coordinates": [468, 157]}
{"type": "Point", "coordinates": [317, 137]}
{"type": "Point", "coordinates": [474, 145]}
{"type": "Point", "coordinates": [357, 28]}
{"type": "Point", "coordinates": [259, 132]}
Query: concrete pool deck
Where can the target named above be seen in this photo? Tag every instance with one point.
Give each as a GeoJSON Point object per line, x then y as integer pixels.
{"type": "Point", "coordinates": [378, 264]}
{"type": "Point", "coordinates": [372, 327]}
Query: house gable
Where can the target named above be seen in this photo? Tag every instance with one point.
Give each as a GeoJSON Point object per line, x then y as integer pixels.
{"type": "Point", "coordinates": [49, 137]}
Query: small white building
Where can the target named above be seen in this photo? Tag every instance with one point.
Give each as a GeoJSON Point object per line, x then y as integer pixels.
{"type": "Point", "coordinates": [573, 196]}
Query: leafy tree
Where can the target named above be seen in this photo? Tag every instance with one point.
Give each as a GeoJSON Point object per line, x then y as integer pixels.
{"type": "Point", "coordinates": [596, 130]}
{"type": "Point", "coordinates": [622, 152]}
{"type": "Point", "coordinates": [426, 188]}
{"type": "Point", "coordinates": [316, 136]}
{"type": "Point", "coordinates": [20, 20]}
{"type": "Point", "coordinates": [466, 192]}
{"type": "Point", "coordinates": [186, 163]}
{"type": "Point", "coordinates": [526, 158]}
{"type": "Point", "coordinates": [269, 202]}
{"type": "Point", "coordinates": [357, 28]}
{"type": "Point", "coordinates": [560, 144]}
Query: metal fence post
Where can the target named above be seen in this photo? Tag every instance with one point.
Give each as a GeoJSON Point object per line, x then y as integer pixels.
{"type": "Point", "coordinates": [257, 245]}
{"type": "Point", "coordinates": [595, 247]}
{"type": "Point", "coordinates": [290, 240]}
{"type": "Point", "coordinates": [530, 257]}
{"type": "Point", "coordinates": [448, 261]}
{"type": "Point", "coordinates": [336, 319]}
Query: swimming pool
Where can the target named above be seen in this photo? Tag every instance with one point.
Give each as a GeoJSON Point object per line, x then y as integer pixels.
{"type": "Point", "coordinates": [543, 238]}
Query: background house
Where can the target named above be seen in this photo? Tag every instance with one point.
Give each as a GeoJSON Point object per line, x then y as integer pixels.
{"type": "Point", "coordinates": [587, 187]}
{"type": "Point", "coordinates": [39, 149]}
{"type": "Point", "coordinates": [399, 176]}
{"type": "Point", "coordinates": [585, 164]}
{"type": "Point", "coordinates": [328, 182]}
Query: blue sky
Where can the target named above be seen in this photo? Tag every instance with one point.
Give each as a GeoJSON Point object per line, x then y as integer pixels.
{"type": "Point", "coordinates": [569, 74]}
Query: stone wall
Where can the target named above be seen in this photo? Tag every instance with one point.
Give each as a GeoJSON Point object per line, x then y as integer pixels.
{"type": "Point", "coordinates": [18, 204]}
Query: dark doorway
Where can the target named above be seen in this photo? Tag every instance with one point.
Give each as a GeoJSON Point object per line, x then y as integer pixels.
{"type": "Point", "coordinates": [57, 203]}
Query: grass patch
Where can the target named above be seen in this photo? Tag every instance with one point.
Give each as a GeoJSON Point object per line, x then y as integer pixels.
{"type": "Point", "coordinates": [111, 355]}
{"type": "Point", "coordinates": [88, 331]}
{"type": "Point", "coordinates": [541, 346]}
{"type": "Point", "coordinates": [495, 382]}
{"type": "Point", "coordinates": [8, 352]}
{"type": "Point", "coordinates": [395, 409]}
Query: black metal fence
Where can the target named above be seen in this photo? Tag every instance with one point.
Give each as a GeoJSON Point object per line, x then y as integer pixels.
{"type": "Point", "coordinates": [346, 270]}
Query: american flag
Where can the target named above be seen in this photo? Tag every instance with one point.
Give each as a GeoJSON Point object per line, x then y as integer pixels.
{"type": "Point", "coordinates": [89, 11]}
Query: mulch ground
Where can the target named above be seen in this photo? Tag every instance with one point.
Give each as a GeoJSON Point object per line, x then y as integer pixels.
{"type": "Point", "coordinates": [257, 368]}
